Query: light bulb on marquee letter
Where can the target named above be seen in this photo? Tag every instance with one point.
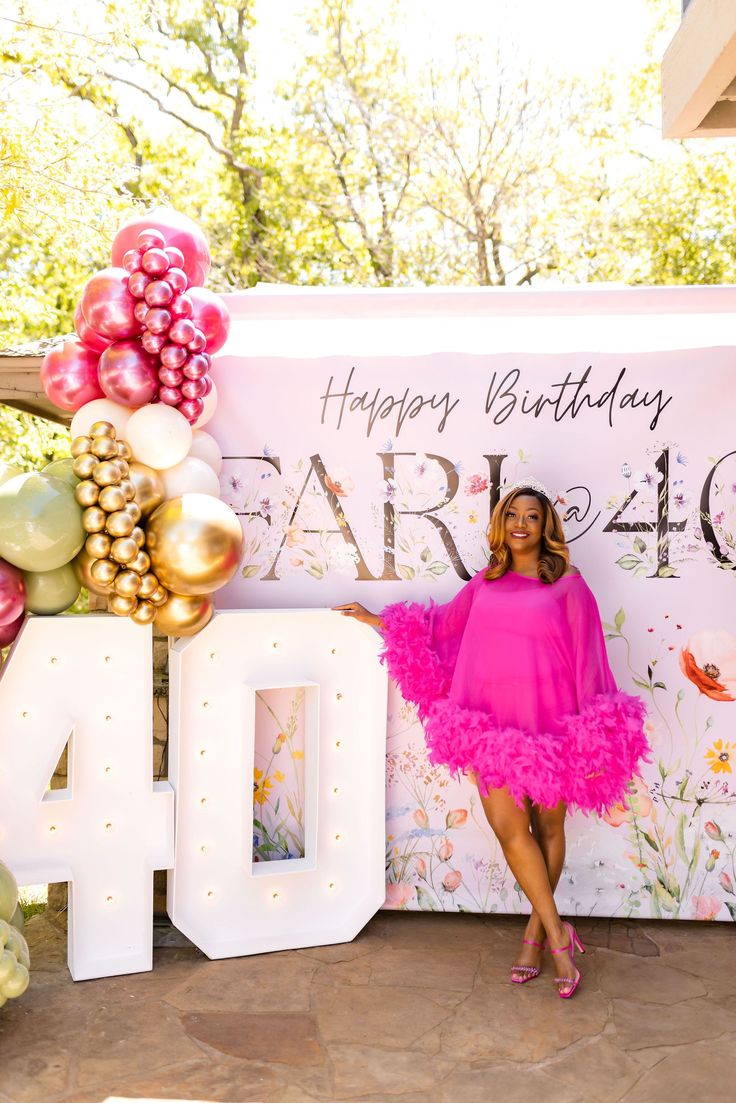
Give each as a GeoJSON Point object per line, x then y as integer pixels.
{"type": "Point", "coordinates": [330, 894]}
{"type": "Point", "coordinates": [109, 829]}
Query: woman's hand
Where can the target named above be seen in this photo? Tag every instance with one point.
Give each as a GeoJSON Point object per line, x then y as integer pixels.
{"type": "Point", "coordinates": [355, 609]}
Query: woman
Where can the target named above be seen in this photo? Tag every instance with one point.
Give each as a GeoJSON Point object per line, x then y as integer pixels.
{"type": "Point", "coordinates": [513, 687]}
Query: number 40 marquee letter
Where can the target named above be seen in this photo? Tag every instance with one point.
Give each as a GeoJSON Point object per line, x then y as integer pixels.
{"type": "Point", "coordinates": [85, 682]}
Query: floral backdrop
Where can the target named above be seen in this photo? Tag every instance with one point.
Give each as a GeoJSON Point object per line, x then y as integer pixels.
{"type": "Point", "coordinates": [651, 517]}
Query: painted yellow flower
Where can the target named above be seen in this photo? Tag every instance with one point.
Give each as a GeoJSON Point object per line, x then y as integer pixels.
{"type": "Point", "coordinates": [297, 754]}
{"type": "Point", "coordinates": [261, 785]}
{"type": "Point", "coordinates": [278, 776]}
{"type": "Point", "coordinates": [719, 757]}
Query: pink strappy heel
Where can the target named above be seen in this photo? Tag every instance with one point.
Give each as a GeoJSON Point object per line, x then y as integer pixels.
{"type": "Point", "coordinates": [571, 946]}
{"type": "Point", "coordinates": [531, 970]}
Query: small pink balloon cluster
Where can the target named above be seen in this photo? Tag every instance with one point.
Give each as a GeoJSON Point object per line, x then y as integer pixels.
{"type": "Point", "coordinates": [146, 328]}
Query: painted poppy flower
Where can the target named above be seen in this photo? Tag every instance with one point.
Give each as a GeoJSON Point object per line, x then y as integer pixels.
{"type": "Point", "coordinates": [709, 661]}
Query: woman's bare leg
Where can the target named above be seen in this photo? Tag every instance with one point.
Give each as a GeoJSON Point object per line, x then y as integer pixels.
{"type": "Point", "coordinates": [548, 828]}
{"type": "Point", "coordinates": [512, 827]}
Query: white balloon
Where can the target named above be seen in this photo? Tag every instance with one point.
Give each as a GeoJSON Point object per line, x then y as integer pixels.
{"type": "Point", "coordinates": [210, 405]}
{"type": "Point", "coordinates": [159, 436]}
{"type": "Point", "coordinates": [101, 409]}
{"type": "Point", "coordinates": [206, 448]}
{"type": "Point", "coordinates": [191, 476]}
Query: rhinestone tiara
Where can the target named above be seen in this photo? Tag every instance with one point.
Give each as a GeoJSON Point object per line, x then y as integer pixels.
{"type": "Point", "coordinates": [529, 484]}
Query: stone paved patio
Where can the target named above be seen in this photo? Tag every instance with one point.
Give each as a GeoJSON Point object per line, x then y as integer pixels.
{"type": "Point", "coordinates": [418, 1008]}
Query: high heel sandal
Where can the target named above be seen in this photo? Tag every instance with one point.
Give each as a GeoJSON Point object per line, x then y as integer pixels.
{"type": "Point", "coordinates": [531, 970]}
{"type": "Point", "coordinates": [571, 946]}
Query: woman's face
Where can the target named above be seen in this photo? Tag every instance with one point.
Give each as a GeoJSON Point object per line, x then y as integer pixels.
{"type": "Point", "coordinates": [524, 521]}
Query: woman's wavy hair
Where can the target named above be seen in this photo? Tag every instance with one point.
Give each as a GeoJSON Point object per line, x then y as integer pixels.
{"type": "Point", "coordinates": [555, 557]}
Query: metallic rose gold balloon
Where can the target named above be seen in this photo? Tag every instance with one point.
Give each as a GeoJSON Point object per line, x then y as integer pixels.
{"type": "Point", "coordinates": [177, 279]}
{"type": "Point", "coordinates": [197, 366]}
{"type": "Point", "coordinates": [173, 356]}
{"type": "Point", "coordinates": [176, 257]}
{"type": "Point", "coordinates": [124, 550]}
{"type": "Point", "coordinates": [153, 342]}
{"type": "Point", "coordinates": [82, 565]}
{"type": "Point", "coordinates": [134, 510]}
{"type": "Point", "coordinates": [127, 584]}
{"type": "Point", "coordinates": [170, 377]}
{"type": "Point", "coordinates": [150, 239]}
{"type": "Point", "coordinates": [149, 487]}
{"type": "Point", "coordinates": [87, 493]}
{"type": "Point", "coordinates": [193, 388]}
{"type": "Point", "coordinates": [128, 374]}
{"type": "Point", "coordinates": [138, 282]}
{"type": "Point", "coordinates": [183, 615]}
{"type": "Point", "coordinates": [84, 465]}
{"type": "Point", "coordinates": [112, 498]}
{"type": "Point", "coordinates": [170, 396]}
{"type": "Point", "coordinates": [138, 535]}
{"type": "Point", "coordinates": [195, 543]}
{"type": "Point", "coordinates": [144, 613]}
{"type": "Point", "coordinates": [131, 261]}
{"type": "Point", "coordinates": [122, 606]}
{"type": "Point", "coordinates": [94, 341]}
{"type": "Point", "coordinates": [97, 545]}
{"type": "Point", "coordinates": [93, 519]}
{"type": "Point", "coordinates": [182, 306]}
{"type": "Point", "coordinates": [80, 445]}
{"type": "Point", "coordinates": [178, 230]}
{"type": "Point", "coordinates": [182, 331]}
{"type": "Point", "coordinates": [141, 563]}
{"type": "Point", "coordinates": [141, 309]}
{"type": "Point", "coordinates": [191, 408]}
{"type": "Point", "coordinates": [149, 584]}
{"type": "Point", "coordinates": [106, 473]}
{"type": "Point", "coordinates": [69, 375]}
{"type": "Point", "coordinates": [103, 571]}
{"type": "Point", "coordinates": [104, 448]}
{"type": "Point", "coordinates": [211, 316]}
{"type": "Point", "coordinates": [120, 523]}
{"type": "Point", "coordinates": [158, 320]}
{"type": "Point", "coordinates": [155, 262]}
{"type": "Point", "coordinates": [158, 293]}
{"type": "Point", "coordinates": [107, 305]}
{"type": "Point", "coordinates": [102, 429]}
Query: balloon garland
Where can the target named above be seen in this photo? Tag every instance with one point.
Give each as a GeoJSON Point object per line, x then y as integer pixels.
{"type": "Point", "coordinates": [135, 513]}
{"type": "Point", "coordinates": [15, 960]}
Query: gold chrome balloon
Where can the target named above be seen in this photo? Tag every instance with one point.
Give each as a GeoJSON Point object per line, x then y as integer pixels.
{"type": "Point", "coordinates": [134, 510]}
{"type": "Point", "coordinates": [195, 543]}
{"type": "Point", "coordinates": [97, 545]}
{"type": "Point", "coordinates": [104, 448]}
{"type": "Point", "coordinates": [103, 571]}
{"type": "Point", "coordinates": [124, 450]}
{"type": "Point", "coordinates": [124, 467]}
{"type": "Point", "coordinates": [82, 565]}
{"type": "Point", "coordinates": [122, 606]}
{"type": "Point", "coordinates": [141, 564]}
{"type": "Point", "coordinates": [84, 465]}
{"type": "Point", "coordinates": [93, 519]}
{"type": "Point", "coordinates": [111, 498]}
{"type": "Point", "coordinates": [183, 615]}
{"type": "Point", "coordinates": [120, 524]}
{"type": "Point", "coordinates": [87, 492]}
{"type": "Point", "coordinates": [139, 536]}
{"type": "Point", "coordinates": [128, 490]}
{"type": "Point", "coordinates": [149, 487]}
{"type": "Point", "coordinates": [124, 550]}
{"type": "Point", "coordinates": [149, 585]}
{"type": "Point", "coordinates": [80, 445]}
{"type": "Point", "coordinates": [159, 596]}
{"type": "Point", "coordinates": [102, 429]}
{"type": "Point", "coordinates": [105, 473]}
{"type": "Point", "coordinates": [144, 613]}
{"type": "Point", "coordinates": [127, 584]}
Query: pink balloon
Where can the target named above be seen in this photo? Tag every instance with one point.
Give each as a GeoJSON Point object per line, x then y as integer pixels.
{"type": "Point", "coordinates": [171, 396]}
{"type": "Point", "coordinates": [108, 306]}
{"type": "Point", "coordinates": [155, 262]}
{"type": "Point", "coordinates": [132, 260]}
{"type": "Point", "coordinates": [69, 375]}
{"type": "Point", "coordinates": [177, 278]}
{"type": "Point", "coordinates": [175, 256]}
{"type": "Point", "coordinates": [141, 309]}
{"type": "Point", "coordinates": [137, 284]}
{"type": "Point", "coordinates": [173, 356]}
{"type": "Point", "coordinates": [192, 408]}
{"type": "Point", "coordinates": [158, 293]}
{"type": "Point", "coordinates": [150, 239]}
{"type": "Point", "coordinates": [207, 380]}
{"type": "Point", "coordinates": [86, 335]}
{"type": "Point", "coordinates": [182, 306]}
{"type": "Point", "coordinates": [8, 632]}
{"type": "Point", "coordinates": [182, 331]}
{"type": "Point", "coordinates": [158, 320]}
{"type": "Point", "coordinates": [211, 316]}
{"type": "Point", "coordinates": [198, 342]}
{"type": "Point", "coordinates": [12, 593]}
{"type": "Point", "coordinates": [197, 366]}
{"type": "Point", "coordinates": [179, 231]}
{"type": "Point", "coordinates": [129, 374]}
{"type": "Point", "coordinates": [193, 388]}
{"type": "Point", "coordinates": [153, 342]}
{"type": "Point", "coordinates": [170, 377]}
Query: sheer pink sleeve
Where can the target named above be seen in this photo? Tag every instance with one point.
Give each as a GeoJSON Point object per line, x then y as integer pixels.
{"type": "Point", "coordinates": [592, 672]}
{"type": "Point", "coordinates": [422, 643]}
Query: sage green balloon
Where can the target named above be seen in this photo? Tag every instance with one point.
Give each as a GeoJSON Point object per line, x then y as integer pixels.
{"type": "Point", "coordinates": [8, 471]}
{"type": "Point", "coordinates": [49, 592]}
{"type": "Point", "coordinates": [8, 893]}
{"type": "Point", "coordinates": [62, 469]}
{"type": "Point", "coordinates": [40, 522]}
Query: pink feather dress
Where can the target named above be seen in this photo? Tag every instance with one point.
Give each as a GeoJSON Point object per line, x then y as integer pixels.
{"type": "Point", "coordinates": [511, 680]}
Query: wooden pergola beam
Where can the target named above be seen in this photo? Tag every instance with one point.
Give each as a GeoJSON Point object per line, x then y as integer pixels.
{"type": "Point", "coordinates": [698, 72]}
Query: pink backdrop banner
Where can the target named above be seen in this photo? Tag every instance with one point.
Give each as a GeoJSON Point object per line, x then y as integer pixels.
{"type": "Point", "coordinates": [367, 437]}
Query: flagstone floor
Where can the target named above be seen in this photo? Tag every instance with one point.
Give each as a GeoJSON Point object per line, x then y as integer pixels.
{"type": "Point", "coordinates": [417, 1009]}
